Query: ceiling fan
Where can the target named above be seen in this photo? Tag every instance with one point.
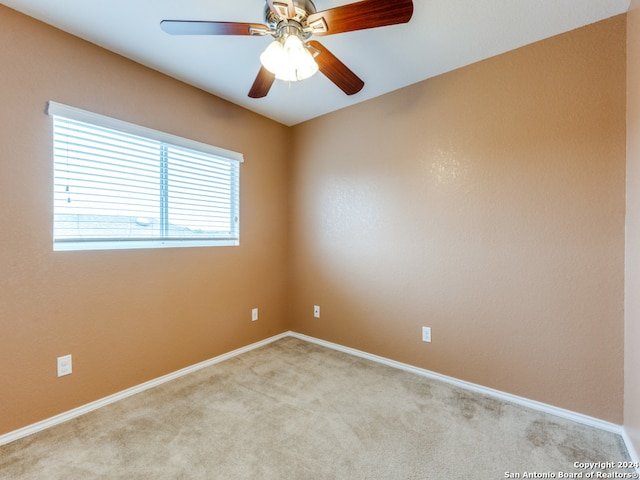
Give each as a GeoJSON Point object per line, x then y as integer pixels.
{"type": "Point", "coordinates": [292, 55]}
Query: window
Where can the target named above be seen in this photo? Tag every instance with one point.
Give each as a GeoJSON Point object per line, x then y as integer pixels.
{"type": "Point", "coordinates": [119, 185]}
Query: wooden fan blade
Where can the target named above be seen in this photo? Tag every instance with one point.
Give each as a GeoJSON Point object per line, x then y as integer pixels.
{"type": "Point", "coordinates": [284, 9]}
{"type": "Point", "coordinates": [335, 70]}
{"type": "Point", "coordinates": [360, 16]}
{"type": "Point", "coordinates": [262, 83]}
{"type": "Point", "coordinates": [192, 27]}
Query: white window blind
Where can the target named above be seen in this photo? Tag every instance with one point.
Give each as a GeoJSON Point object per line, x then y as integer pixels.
{"type": "Point", "coordinates": [119, 185]}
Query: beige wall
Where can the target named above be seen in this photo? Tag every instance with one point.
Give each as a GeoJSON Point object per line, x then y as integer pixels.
{"type": "Point", "coordinates": [632, 279]}
{"type": "Point", "coordinates": [488, 204]}
{"type": "Point", "coordinates": [125, 316]}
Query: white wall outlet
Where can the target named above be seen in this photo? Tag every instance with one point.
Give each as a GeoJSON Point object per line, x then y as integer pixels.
{"type": "Point", "coordinates": [64, 365]}
{"type": "Point", "coordinates": [254, 314]}
{"type": "Point", "coordinates": [426, 334]}
{"type": "Point", "coordinates": [316, 311]}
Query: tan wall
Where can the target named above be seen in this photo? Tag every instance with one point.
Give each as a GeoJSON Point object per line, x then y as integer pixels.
{"type": "Point", "coordinates": [632, 279]}
{"type": "Point", "coordinates": [125, 316]}
{"type": "Point", "coordinates": [488, 204]}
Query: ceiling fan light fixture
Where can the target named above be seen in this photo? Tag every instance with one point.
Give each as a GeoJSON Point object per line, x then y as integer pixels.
{"type": "Point", "coordinates": [289, 59]}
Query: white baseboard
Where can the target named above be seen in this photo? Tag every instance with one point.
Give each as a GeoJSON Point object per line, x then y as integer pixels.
{"type": "Point", "coordinates": [632, 451]}
{"type": "Point", "coordinates": [539, 406]}
{"type": "Point", "coordinates": [542, 407]}
{"type": "Point", "coordinates": [525, 402]}
{"type": "Point", "coordinates": [103, 402]}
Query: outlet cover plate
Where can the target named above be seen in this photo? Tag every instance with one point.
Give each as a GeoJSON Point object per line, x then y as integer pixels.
{"type": "Point", "coordinates": [64, 365]}
{"type": "Point", "coordinates": [316, 311]}
{"type": "Point", "coordinates": [426, 334]}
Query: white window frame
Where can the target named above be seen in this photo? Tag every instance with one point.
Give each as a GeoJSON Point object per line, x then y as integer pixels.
{"type": "Point", "coordinates": [55, 109]}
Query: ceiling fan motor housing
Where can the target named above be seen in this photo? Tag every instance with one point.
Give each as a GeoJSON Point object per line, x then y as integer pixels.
{"type": "Point", "coordinates": [303, 8]}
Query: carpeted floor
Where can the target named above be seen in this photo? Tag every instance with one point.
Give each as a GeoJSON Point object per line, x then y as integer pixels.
{"type": "Point", "coordinates": [296, 410]}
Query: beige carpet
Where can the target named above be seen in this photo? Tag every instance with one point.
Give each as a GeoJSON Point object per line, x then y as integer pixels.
{"type": "Point", "coordinates": [296, 410]}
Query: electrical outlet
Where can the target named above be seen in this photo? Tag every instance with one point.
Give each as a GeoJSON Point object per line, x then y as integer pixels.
{"type": "Point", "coordinates": [426, 334]}
{"type": "Point", "coordinates": [316, 311]}
{"type": "Point", "coordinates": [254, 314]}
{"type": "Point", "coordinates": [64, 365]}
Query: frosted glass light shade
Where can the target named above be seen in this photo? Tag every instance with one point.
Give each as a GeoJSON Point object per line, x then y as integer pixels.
{"type": "Point", "coordinates": [289, 60]}
{"type": "Point", "coordinates": [273, 58]}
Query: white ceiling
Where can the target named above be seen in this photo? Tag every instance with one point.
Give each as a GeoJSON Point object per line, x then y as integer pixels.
{"type": "Point", "coordinates": [442, 35]}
